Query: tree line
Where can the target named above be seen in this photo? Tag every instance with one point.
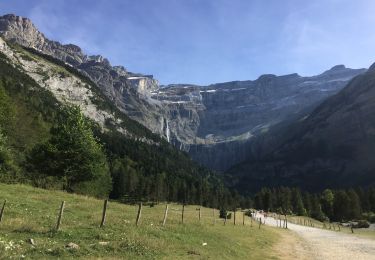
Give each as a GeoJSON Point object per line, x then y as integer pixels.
{"type": "Point", "coordinates": [52, 145]}
{"type": "Point", "coordinates": [329, 205]}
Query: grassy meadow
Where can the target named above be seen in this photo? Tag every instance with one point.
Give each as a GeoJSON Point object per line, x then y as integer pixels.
{"type": "Point", "coordinates": [31, 213]}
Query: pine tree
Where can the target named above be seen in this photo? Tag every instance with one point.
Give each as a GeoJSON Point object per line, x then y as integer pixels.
{"type": "Point", "coordinates": [364, 199]}
{"type": "Point", "coordinates": [341, 205]}
{"type": "Point", "coordinates": [316, 209]}
{"type": "Point", "coordinates": [354, 205]}
{"type": "Point", "coordinates": [371, 197]}
{"type": "Point", "coordinates": [297, 203]}
{"type": "Point", "coordinates": [327, 202]}
{"type": "Point", "coordinates": [74, 156]}
{"type": "Point", "coordinates": [307, 202]}
{"type": "Point", "coordinates": [285, 196]}
{"type": "Point", "coordinates": [8, 170]}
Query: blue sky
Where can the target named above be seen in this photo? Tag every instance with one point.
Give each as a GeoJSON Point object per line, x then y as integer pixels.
{"type": "Point", "coordinates": [208, 41]}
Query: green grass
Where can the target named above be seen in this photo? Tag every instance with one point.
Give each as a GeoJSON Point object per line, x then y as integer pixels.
{"type": "Point", "coordinates": [32, 213]}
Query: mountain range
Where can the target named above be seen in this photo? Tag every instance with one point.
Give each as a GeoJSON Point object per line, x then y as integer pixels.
{"type": "Point", "coordinates": [290, 130]}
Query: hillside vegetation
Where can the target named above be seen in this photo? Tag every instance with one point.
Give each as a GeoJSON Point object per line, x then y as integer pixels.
{"type": "Point", "coordinates": [31, 213]}
{"type": "Point", "coordinates": [142, 166]}
{"type": "Point", "coordinates": [332, 147]}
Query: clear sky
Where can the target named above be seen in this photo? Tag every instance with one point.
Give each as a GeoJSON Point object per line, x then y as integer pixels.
{"type": "Point", "coordinates": [208, 41]}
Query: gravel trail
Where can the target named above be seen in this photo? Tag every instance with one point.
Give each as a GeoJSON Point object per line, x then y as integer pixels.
{"type": "Point", "coordinates": [325, 244]}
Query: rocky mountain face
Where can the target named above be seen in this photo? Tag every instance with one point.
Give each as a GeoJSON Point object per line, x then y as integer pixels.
{"type": "Point", "coordinates": [217, 124]}
{"type": "Point", "coordinates": [224, 120]}
{"type": "Point", "coordinates": [129, 91]}
{"type": "Point", "coordinates": [332, 147]}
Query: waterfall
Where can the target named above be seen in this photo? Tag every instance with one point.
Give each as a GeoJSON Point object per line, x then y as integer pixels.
{"type": "Point", "coordinates": [167, 132]}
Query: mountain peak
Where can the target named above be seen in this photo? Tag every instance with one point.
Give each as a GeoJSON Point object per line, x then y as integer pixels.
{"type": "Point", "coordinates": [21, 30]}
{"type": "Point", "coordinates": [338, 67]}
{"type": "Point", "coordinates": [372, 67]}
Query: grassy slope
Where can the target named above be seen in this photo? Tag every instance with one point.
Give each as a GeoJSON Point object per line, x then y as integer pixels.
{"type": "Point", "coordinates": [31, 213]}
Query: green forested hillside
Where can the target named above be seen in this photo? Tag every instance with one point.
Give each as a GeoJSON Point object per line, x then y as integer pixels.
{"type": "Point", "coordinates": [139, 170]}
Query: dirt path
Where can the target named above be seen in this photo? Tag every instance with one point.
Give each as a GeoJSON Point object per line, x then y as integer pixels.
{"type": "Point", "coordinates": [319, 244]}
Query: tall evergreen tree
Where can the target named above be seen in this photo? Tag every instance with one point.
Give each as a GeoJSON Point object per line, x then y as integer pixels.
{"type": "Point", "coordinates": [73, 155]}
{"type": "Point", "coordinates": [297, 203]}
{"type": "Point", "coordinates": [354, 207]}
{"type": "Point", "coordinates": [371, 197]}
{"type": "Point", "coordinates": [285, 196]}
{"type": "Point", "coordinates": [327, 202]}
{"type": "Point", "coordinates": [341, 206]}
{"type": "Point", "coordinates": [316, 209]}
{"type": "Point", "coordinates": [307, 202]}
{"type": "Point", "coordinates": [8, 169]}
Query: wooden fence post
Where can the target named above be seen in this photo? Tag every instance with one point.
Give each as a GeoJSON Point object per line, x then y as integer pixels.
{"type": "Point", "coordinates": [104, 216]}
{"type": "Point", "coordinates": [251, 221]}
{"type": "Point", "coordinates": [260, 222]}
{"type": "Point", "coordinates": [243, 218]}
{"type": "Point", "coordinates": [226, 217]}
{"type": "Point", "coordinates": [139, 214]}
{"type": "Point", "coordinates": [183, 211]}
{"type": "Point", "coordinates": [286, 222]}
{"type": "Point", "coordinates": [59, 219]}
{"type": "Point", "coordinates": [234, 217]}
{"type": "Point", "coordinates": [199, 214]}
{"type": "Point", "coordinates": [165, 215]}
{"type": "Point", "coordinates": [2, 211]}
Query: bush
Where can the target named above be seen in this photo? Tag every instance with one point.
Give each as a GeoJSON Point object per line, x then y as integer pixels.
{"type": "Point", "coordinates": [362, 224]}
{"type": "Point", "coordinates": [369, 216]}
{"type": "Point", "coordinates": [223, 213]}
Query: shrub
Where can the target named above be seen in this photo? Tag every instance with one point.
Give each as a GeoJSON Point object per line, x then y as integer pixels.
{"type": "Point", "coordinates": [362, 224]}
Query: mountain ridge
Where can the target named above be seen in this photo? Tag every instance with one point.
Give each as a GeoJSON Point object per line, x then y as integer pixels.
{"type": "Point", "coordinates": [330, 148]}
{"type": "Point", "coordinates": [212, 123]}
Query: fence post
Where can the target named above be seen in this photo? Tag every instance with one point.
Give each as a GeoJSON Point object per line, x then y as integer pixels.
{"type": "Point", "coordinates": [139, 214]}
{"type": "Point", "coordinates": [260, 222]}
{"type": "Point", "coordinates": [286, 222]}
{"type": "Point", "coordinates": [182, 216]}
{"type": "Point", "coordinates": [225, 219]}
{"type": "Point", "coordinates": [213, 215]}
{"type": "Point", "coordinates": [243, 218]}
{"type": "Point", "coordinates": [59, 219]}
{"type": "Point", "coordinates": [2, 211]}
{"type": "Point", "coordinates": [234, 217]}
{"type": "Point", "coordinates": [251, 221]}
{"type": "Point", "coordinates": [104, 216]}
{"type": "Point", "coordinates": [165, 215]}
{"type": "Point", "coordinates": [199, 214]}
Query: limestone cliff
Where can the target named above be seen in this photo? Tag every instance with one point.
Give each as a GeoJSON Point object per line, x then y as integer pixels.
{"type": "Point", "coordinates": [216, 124]}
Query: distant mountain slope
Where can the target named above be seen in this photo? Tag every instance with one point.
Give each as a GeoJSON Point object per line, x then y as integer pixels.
{"type": "Point", "coordinates": [215, 124]}
{"type": "Point", "coordinates": [237, 113]}
{"type": "Point", "coordinates": [33, 89]}
{"type": "Point", "coordinates": [333, 147]}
